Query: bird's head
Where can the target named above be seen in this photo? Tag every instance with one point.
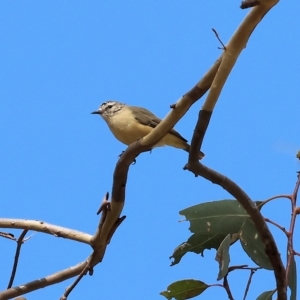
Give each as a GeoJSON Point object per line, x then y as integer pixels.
{"type": "Point", "coordinates": [108, 109]}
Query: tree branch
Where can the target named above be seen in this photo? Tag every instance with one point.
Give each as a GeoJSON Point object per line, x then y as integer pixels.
{"type": "Point", "coordinates": [42, 282]}
{"type": "Point", "coordinates": [48, 228]}
{"type": "Point", "coordinates": [270, 246]}
{"type": "Point", "coordinates": [236, 44]}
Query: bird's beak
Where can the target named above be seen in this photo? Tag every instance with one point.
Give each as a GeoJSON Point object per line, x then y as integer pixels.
{"type": "Point", "coordinates": [96, 112]}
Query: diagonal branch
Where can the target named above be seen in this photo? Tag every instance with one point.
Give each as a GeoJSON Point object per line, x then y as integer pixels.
{"type": "Point", "coordinates": [42, 282]}
{"type": "Point", "coordinates": [236, 44]}
{"type": "Point", "coordinates": [144, 144]}
{"type": "Point", "coordinates": [270, 245]}
{"type": "Point", "coordinates": [182, 106]}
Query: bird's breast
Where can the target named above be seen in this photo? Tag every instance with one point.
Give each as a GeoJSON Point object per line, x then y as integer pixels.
{"type": "Point", "coordinates": [126, 128]}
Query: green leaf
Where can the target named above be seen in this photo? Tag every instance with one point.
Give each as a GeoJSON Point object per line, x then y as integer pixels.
{"type": "Point", "coordinates": [292, 279]}
{"type": "Point", "coordinates": [221, 217]}
{"type": "Point", "coordinates": [253, 245]}
{"type": "Point", "coordinates": [223, 257]}
{"type": "Point", "coordinates": [197, 243]}
{"type": "Point", "coordinates": [211, 222]}
{"type": "Point", "coordinates": [266, 295]}
{"type": "Point", "coordinates": [184, 289]}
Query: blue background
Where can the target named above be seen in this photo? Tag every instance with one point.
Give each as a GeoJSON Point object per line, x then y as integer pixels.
{"type": "Point", "coordinates": [61, 59]}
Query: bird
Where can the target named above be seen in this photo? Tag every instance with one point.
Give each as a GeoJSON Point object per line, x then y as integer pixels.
{"type": "Point", "coordinates": [130, 123]}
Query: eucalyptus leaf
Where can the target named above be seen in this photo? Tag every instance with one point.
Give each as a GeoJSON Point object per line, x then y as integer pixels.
{"type": "Point", "coordinates": [221, 217]}
{"type": "Point", "coordinates": [253, 245]}
{"type": "Point", "coordinates": [223, 257]}
{"type": "Point", "coordinates": [266, 295]}
{"type": "Point", "coordinates": [197, 243]}
{"type": "Point", "coordinates": [184, 289]}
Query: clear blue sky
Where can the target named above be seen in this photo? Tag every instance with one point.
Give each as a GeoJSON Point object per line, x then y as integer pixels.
{"type": "Point", "coordinates": [61, 59]}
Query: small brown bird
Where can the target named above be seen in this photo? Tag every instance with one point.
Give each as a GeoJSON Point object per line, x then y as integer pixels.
{"type": "Point", "coordinates": [130, 123]}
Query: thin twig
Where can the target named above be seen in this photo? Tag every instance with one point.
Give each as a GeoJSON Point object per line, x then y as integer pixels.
{"type": "Point", "coordinates": [292, 227]}
{"type": "Point", "coordinates": [249, 3]}
{"type": "Point", "coordinates": [243, 267]}
{"type": "Point", "coordinates": [296, 253]}
{"type": "Point", "coordinates": [79, 277]}
{"type": "Point", "coordinates": [17, 255]}
{"type": "Point", "coordinates": [217, 35]}
{"type": "Point", "coordinates": [104, 200]}
{"type": "Point", "coordinates": [278, 226]}
{"type": "Point", "coordinates": [7, 235]}
{"type": "Point", "coordinates": [273, 198]}
{"type": "Point", "coordinates": [240, 267]}
{"type": "Point", "coordinates": [227, 288]}
{"type": "Point", "coordinates": [248, 283]}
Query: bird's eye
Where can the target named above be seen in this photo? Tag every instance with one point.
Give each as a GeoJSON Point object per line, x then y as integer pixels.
{"type": "Point", "coordinates": [109, 106]}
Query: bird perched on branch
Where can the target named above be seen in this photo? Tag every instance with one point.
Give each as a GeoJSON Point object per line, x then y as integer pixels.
{"type": "Point", "coordinates": [130, 123]}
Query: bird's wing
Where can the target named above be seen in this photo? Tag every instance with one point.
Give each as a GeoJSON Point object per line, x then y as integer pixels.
{"type": "Point", "coordinates": [147, 118]}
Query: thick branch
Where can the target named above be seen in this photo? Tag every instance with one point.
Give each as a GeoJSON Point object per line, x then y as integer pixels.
{"type": "Point", "coordinates": [236, 44]}
{"type": "Point", "coordinates": [270, 245]}
{"type": "Point", "coordinates": [233, 49]}
{"type": "Point", "coordinates": [182, 106]}
{"type": "Point", "coordinates": [144, 144]}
